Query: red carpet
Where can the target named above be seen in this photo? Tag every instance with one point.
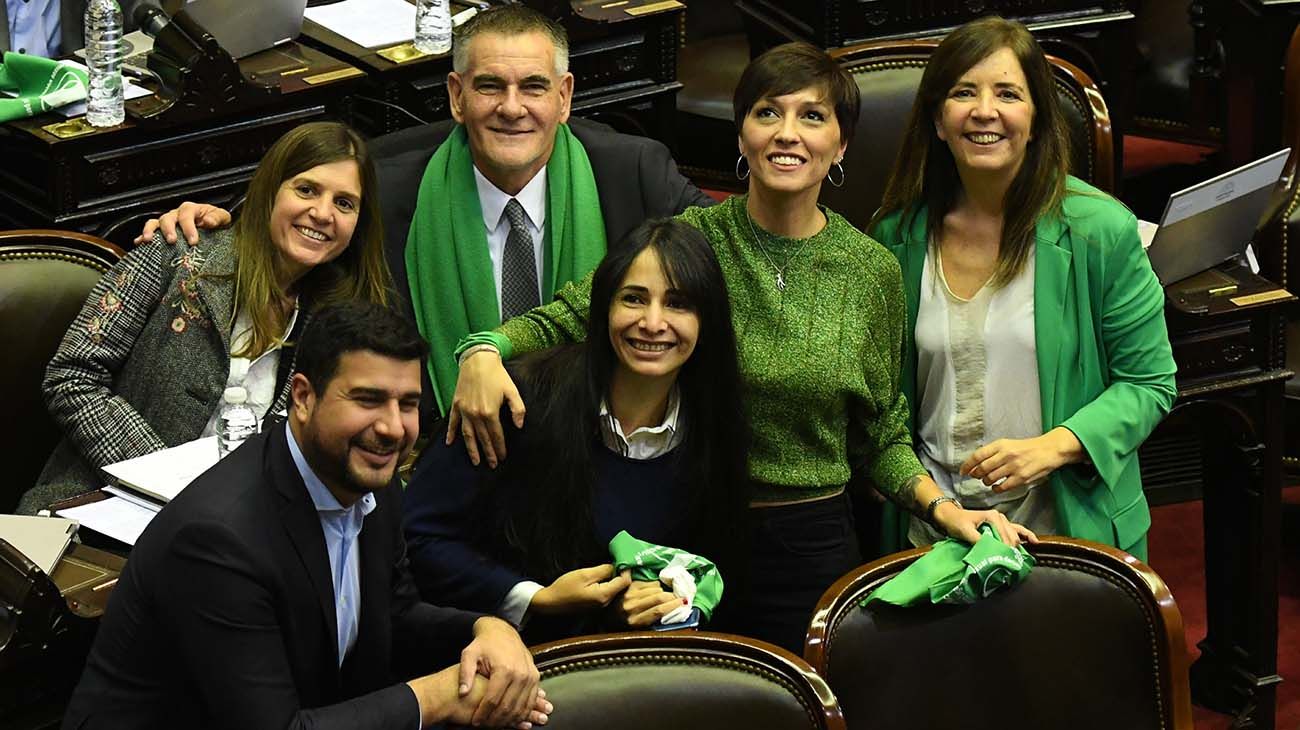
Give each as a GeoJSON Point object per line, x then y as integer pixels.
{"type": "Point", "coordinates": [1177, 554]}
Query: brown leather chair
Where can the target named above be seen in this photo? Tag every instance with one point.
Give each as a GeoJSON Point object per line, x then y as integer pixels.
{"type": "Point", "coordinates": [709, 66]}
{"type": "Point", "coordinates": [888, 74]}
{"type": "Point", "coordinates": [681, 681]}
{"type": "Point", "coordinates": [1091, 639]}
{"type": "Point", "coordinates": [44, 279]}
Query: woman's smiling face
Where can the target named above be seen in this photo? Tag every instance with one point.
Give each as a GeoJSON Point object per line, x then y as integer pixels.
{"type": "Point", "coordinates": [791, 141]}
{"type": "Point", "coordinates": [987, 118]}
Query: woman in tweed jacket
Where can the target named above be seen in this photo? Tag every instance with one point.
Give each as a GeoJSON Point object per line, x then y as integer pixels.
{"type": "Point", "coordinates": [145, 363]}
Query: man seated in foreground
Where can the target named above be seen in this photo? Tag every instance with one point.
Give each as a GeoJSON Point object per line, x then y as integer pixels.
{"type": "Point", "coordinates": [274, 593]}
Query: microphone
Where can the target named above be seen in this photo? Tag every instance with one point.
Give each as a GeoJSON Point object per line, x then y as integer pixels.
{"type": "Point", "coordinates": [150, 19]}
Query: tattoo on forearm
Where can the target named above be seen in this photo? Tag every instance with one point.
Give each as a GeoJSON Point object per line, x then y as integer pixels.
{"type": "Point", "coordinates": [907, 494]}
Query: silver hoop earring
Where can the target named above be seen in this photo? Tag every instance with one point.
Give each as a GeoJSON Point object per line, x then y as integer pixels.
{"type": "Point", "coordinates": [831, 180]}
{"type": "Point", "coordinates": [738, 161]}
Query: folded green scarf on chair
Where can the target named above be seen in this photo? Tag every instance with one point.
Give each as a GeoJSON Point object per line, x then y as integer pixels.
{"type": "Point", "coordinates": [449, 270]}
{"type": "Point", "coordinates": [954, 572]}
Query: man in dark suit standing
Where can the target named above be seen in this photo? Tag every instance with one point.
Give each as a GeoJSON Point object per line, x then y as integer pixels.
{"type": "Point", "coordinates": [551, 192]}
{"type": "Point", "coordinates": [273, 592]}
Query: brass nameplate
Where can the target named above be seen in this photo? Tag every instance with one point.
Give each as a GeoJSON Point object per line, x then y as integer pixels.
{"type": "Point", "coordinates": [343, 73]}
{"type": "Point", "coordinates": [75, 127]}
{"type": "Point", "coordinates": [1260, 298]}
{"type": "Point", "coordinates": [402, 52]}
{"type": "Point", "coordinates": [654, 7]}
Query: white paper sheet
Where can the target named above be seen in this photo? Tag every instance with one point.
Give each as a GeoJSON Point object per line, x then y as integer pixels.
{"type": "Point", "coordinates": [115, 517]}
{"type": "Point", "coordinates": [369, 23]}
{"type": "Point", "coordinates": [42, 539]}
{"type": "Point", "coordinates": [163, 474]}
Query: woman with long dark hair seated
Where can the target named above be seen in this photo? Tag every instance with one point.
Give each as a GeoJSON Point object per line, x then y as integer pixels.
{"type": "Point", "coordinates": [639, 428]}
{"type": "Point", "coordinates": [144, 365]}
{"type": "Point", "coordinates": [1037, 359]}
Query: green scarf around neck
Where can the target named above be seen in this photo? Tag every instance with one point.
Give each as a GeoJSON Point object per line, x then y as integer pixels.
{"type": "Point", "coordinates": [449, 270]}
{"type": "Point", "coordinates": [41, 84]}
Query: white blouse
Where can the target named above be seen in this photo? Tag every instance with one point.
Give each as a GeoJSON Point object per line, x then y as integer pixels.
{"type": "Point", "coordinates": [977, 381]}
{"type": "Point", "coordinates": [257, 375]}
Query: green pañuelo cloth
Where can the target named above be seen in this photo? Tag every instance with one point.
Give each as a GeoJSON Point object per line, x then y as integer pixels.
{"type": "Point", "coordinates": [647, 559]}
{"type": "Point", "coordinates": [40, 83]}
{"type": "Point", "coordinates": [954, 572]}
{"type": "Point", "coordinates": [449, 270]}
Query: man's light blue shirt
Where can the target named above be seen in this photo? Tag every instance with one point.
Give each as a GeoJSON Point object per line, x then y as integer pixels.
{"type": "Point", "coordinates": [341, 526]}
{"type": "Point", "coordinates": [34, 27]}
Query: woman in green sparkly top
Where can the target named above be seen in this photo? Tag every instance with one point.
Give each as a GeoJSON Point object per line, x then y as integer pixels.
{"type": "Point", "coordinates": [819, 313]}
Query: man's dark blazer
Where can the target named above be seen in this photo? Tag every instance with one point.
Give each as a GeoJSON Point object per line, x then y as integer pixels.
{"type": "Point", "coordinates": [224, 616]}
{"type": "Point", "coordinates": [636, 179]}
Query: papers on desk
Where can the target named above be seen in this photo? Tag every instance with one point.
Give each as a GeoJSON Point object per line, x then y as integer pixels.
{"type": "Point", "coordinates": [1147, 232]}
{"type": "Point", "coordinates": [163, 474]}
{"type": "Point", "coordinates": [42, 539]}
{"type": "Point", "coordinates": [129, 91]}
{"type": "Point", "coordinates": [118, 518]}
{"type": "Point", "coordinates": [369, 23]}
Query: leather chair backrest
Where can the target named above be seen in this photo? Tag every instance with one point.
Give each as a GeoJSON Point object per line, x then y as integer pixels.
{"type": "Point", "coordinates": [1091, 639]}
{"type": "Point", "coordinates": [888, 74]}
{"type": "Point", "coordinates": [45, 277]}
{"type": "Point", "coordinates": [681, 681]}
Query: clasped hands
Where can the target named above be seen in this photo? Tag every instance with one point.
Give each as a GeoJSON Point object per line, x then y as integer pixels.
{"type": "Point", "coordinates": [495, 685]}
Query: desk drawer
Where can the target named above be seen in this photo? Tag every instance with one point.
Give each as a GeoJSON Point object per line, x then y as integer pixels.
{"type": "Point", "coordinates": [1216, 350]}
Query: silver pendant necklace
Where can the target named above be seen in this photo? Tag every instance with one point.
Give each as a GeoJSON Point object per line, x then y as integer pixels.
{"type": "Point", "coordinates": [780, 270]}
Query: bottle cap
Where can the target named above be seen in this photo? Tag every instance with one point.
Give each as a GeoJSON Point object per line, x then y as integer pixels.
{"type": "Point", "coordinates": [235, 394]}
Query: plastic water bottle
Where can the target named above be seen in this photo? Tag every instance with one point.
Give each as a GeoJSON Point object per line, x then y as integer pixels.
{"type": "Point", "coordinates": [103, 28]}
{"type": "Point", "coordinates": [432, 26]}
{"type": "Point", "coordinates": [236, 423]}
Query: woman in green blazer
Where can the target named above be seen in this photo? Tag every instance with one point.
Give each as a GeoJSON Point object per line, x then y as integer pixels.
{"type": "Point", "coordinates": [1036, 358]}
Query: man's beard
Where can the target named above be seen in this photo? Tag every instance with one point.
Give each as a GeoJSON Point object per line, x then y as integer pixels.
{"type": "Point", "coordinates": [335, 467]}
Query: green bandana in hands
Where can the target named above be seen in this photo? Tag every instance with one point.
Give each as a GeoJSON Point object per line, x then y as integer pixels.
{"type": "Point", "coordinates": [954, 572]}
{"type": "Point", "coordinates": [650, 562]}
{"type": "Point", "coordinates": [41, 84]}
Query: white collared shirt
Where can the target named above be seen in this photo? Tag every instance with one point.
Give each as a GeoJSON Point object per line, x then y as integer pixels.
{"type": "Point", "coordinates": [643, 444]}
{"type": "Point", "coordinates": [341, 527]}
{"type": "Point", "coordinates": [492, 200]}
{"type": "Point", "coordinates": [647, 442]}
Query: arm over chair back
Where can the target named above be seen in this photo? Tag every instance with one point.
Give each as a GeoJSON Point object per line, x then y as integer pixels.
{"type": "Point", "coordinates": [681, 681]}
{"type": "Point", "coordinates": [1091, 639]}
{"type": "Point", "coordinates": [888, 74]}
{"type": "Point", "coordinates": [44, 279]}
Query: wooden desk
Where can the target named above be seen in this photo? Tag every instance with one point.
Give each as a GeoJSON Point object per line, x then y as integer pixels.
{"type": "Point", "coordinates": [624, 66]}
{"type": "Point", "coordinates": [106, 181]}
{"type": "Point", "coordinates": [1231, 363]}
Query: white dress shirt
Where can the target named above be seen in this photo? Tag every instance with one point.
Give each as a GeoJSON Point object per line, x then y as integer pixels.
{"type": "Point", "coordinates": [492, 200]}
{"type": "Point", "coordinates": [643, 444]}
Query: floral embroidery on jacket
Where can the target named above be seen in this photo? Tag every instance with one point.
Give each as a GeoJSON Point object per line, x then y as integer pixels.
{"type": "Point", "coordinates": [185, 301]}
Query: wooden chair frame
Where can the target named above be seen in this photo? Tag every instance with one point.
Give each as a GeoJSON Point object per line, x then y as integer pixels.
{"type": "Point", "coordinates": [696, 647]}
{"type": "Point", "coordinates": [1125, 571]}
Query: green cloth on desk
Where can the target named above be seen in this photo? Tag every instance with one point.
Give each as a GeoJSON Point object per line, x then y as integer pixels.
{"type": "Point", "coordinates": [954, 572]}
{"type": "Point", "coordinates": [40, 83]}
{"type": "Point", "coordinates": [647, 559]}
